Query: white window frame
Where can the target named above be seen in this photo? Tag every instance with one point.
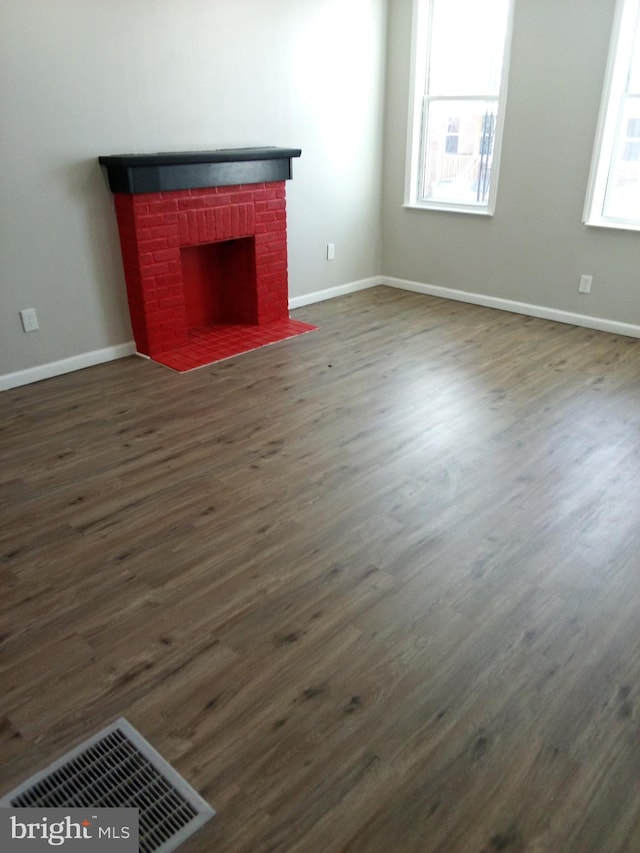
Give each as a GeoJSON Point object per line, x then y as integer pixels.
{"type": "Point", "coordinates": [422, 11]}
{"type": "Point", "coordinates": [607, 131]}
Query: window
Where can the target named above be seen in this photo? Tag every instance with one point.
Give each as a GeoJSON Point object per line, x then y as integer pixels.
{"type": "Point", "coordinates": [613, 197]}
{"type": "Point", "coordinates": [453, 136]}
{"type": "Point", "coordinates": [459, 89]}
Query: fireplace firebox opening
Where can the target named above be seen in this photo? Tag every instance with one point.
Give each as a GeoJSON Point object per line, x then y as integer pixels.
{"type": "Point", "coordinates": [219, 283]}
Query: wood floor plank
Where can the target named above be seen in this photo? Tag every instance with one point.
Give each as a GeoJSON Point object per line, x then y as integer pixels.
{"type": "Point", "coordinates": [371, 589]}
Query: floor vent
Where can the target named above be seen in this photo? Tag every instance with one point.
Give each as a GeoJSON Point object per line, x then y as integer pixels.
{"type": "Point", "coordinates": [118, 768]}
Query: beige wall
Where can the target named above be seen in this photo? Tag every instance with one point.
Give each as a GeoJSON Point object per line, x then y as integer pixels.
{"type": "Point", "coordinates": [535, 248]}
{"type": "Point", "coordinates": [79, 78]}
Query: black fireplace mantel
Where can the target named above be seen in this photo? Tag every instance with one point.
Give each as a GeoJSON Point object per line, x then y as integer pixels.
{"type": "Point", "coordinates": [183, 170]}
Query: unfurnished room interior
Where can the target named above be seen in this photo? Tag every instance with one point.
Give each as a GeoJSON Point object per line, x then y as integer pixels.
{"type": "Point", "coordinates": [320, 423]}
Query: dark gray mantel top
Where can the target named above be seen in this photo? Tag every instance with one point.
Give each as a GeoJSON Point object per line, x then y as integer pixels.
{"type": "Point", "coordinates": [178, 170]}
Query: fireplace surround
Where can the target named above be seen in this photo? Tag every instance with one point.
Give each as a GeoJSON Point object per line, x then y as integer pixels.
{"type": "Point", "coordinates": [203, 237]}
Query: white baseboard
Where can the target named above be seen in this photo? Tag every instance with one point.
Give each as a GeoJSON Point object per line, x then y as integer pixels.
{"type": "Point", "coordinates": [332, 292]}
{"type": "Point", "coordinates": [65, 365]}
{"type": "Point", "coordinates": [89, 359]}
{"type": "Point", "coordinates": [529, 309]}
{"type": "Point", "coordinates": [600, 323]}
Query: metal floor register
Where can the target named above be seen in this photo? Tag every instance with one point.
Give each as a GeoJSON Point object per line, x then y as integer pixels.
{"type": "Point", "coordinates": [118, 768]}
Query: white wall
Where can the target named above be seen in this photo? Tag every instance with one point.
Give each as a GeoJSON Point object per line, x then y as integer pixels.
{"type": "Point", "coordinates": [80, 78]}
{"type": "Point", "coordinates": [535, 248]}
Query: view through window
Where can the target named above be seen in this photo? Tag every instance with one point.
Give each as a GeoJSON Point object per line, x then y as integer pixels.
{"type": "Point", "coordinates": [461, 48]}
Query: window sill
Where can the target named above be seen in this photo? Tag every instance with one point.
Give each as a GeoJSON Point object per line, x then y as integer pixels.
{"type": "Point", "coordinates": [617, 225]}
{"type": "Point", "coordinates": [449, 208]}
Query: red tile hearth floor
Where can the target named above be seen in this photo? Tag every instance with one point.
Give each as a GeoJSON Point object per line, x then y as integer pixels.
{"type": "Point", "coordinates": [216, 343]}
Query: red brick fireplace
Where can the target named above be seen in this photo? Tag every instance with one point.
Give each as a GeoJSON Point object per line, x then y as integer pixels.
{"type": "Point", "coordinates": [204, 248]}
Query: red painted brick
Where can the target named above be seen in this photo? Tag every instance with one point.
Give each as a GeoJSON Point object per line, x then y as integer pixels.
{"type": "Point", "coordinates": [153, 227]}
{"type": "Point", "coordinates": [171, 302]}
{"type": "Point", "coordinates": [244, 197]}
{"type": "Point", "coordinates": [270, 278]}
{"type": "Point", "coordinates": [183, 223]}
{"type": "Point", "coordinates": [234, 224]}
{"type": "Point", "coordinates": [218, 229]}
{"type": "Point", "coordinates": [203, 236]}
{"type": "Point", "coordinates": [164, 292]}
{"type": "Point", "coordinates": [171, 280]}
{"type": "Point", "coordinates": [266, 216]}
{"type": "Point", "coordinates": [153, 245]}
{"type": "Point", "coordinates": [267, 194]}
{"type": "Point", "coordinates": [163, 206]}
{"type": "Point", "coordinates": [155, 268]}
{"type": "Point", "coordinates": [211, 223]}
{"type": "Point", "coordinates": [157, 231]}
{"type": "Point", "coordinates": [165, 315]}
{"type": "Point", "coordinates": [165, 254]}
{"type": "Point", "coordinates": [148, 220]}
{"type": "Point", "coordinates": [264, 240]}
{"type": "Point", "coordinates": [193, 228]}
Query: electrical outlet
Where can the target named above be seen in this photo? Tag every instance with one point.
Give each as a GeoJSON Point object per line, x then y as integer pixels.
{"type": "Point", "coordinates": [29, 319]}
{"type": "Point", "coordinates": [585, 284]}
{"type": "Point", "coordinates": [331, 251]}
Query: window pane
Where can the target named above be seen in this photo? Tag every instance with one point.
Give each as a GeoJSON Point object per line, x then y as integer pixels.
{"type": "Point", "coordinates": [622, 197]}
{"type": "Point", "coordinates": [467, 45]}
{"type": "Point", "coordinates": [634, 74]}
{"type": "Point", "coordinates": [633, 127]}
{"type": "Point", "coordinates": [631, 151]}
{"type": "Point", "coordinates": [633, 85]}
{"type": "Point", "coordinates": [457, 164]}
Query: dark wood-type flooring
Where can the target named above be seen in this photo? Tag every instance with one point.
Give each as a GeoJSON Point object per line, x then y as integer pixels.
{"type": "Point", "coordinates": [376, 588]}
